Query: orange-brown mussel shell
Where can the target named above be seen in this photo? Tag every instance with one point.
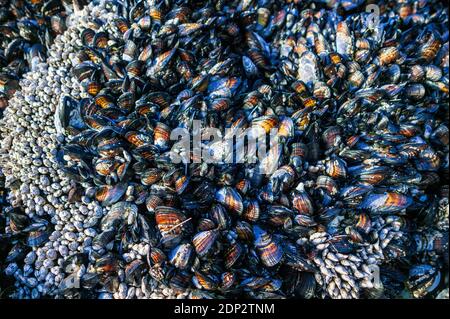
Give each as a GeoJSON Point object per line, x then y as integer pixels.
{"type": "Point", "coordinates": [388, 55]}
{"type": "Point", "coordinates": [204, 241]}
{"type": "Point", "coordinates": [243, 186]}
{"type": "Point", "coordinates": [231, 199]}
{"type": "Point", "coordinates": [169, 219]}
{"type": "Point", "coordinates": [244, 231]}
{"type": "Point", "coordinates": [161, 135]}
{"type": "Point", "coordinates": [152, 202]}
{"type": "Point", "coordinates": [232, 254]}
{"type": "Point", "coordinates": [302, 203]}
{"type": "Point", "coordinates": [151, 176]}
{"type": "Point", "coordinates": [138, 139]}
{"type": "Point", "coordinates": [269, 251]}
{"type": "Point", "coordinates": [364, 223]}
{"type": "Point", "coordinates": [252, 211]}
{"type": "Point", "coordinates": [110, 194]}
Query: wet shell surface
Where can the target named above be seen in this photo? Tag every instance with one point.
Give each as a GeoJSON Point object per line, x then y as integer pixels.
{"type": "Point", "coordinates": [95, 182]}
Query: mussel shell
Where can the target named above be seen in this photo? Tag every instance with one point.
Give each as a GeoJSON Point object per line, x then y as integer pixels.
{"type": "Point", "coordinates": [336, 168]}
{"type": "Point", "coordinates": [423, 279]}
{"type": "Point", "coordinates": [37, 238]}
{"type": "Point", "coordinates": [269, 251]}
{"type": "Point", "coordinates": [161, 135]}
{"type": "Point", "coordinates": [118, 213]}
{"type": "Point", "coordinates": [109, 195]}
{"type": "Point", "coordinates": [233, 254]}
{"type": "Point", "coordinates": [302, 203]}
{"type": "Point", "coordinates": [228, 280]}
{"type": "Point", "coordinates": [219, 216]}
{"type": "Point", "coordinates": [87, 37]}
{"type": "Point", "coordinates": [205, 224]}
{"type": "Point", "coordinates": [138, 139]}
{"type": "Point", "coordinates": [18, 221]}
{"type": "Point", "coordinates": [205, 281]}
{"type": "Point", "coordinates": [204, 241]}
{"type": "Point", "coordinates": [386, 203]}
{"type": "Point", "coordinates": [300, 284]}
{"type": "Point", "coordinates": [134, 271]}
{"type": "Point", "coordinates": [182, 256]}
{"type": "Point", "coordinates": [244, 231]}
{"type": "Point", "coordinates": [328, 184]}
{"type": "Point", "coordinates": [304, 220]}
{"type": "Point", "coordinates": [252, 211]}
{"type": "Point", "coordinates": [156, 256]}
{"type": "Point", "coordinates": [151, 176]}
{"type": "Point", "coordinates": [152, 202]}
{"type": "Point", "coordinates": [231, 199]}
{"type": "Point", "coordinates": [169, 220]}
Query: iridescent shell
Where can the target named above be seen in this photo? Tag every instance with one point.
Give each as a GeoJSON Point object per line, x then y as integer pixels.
{"type": "Point", "coordinates": [118, 213]}
{"type": "Point", "coordinates": [269, 122]}
{"type": "Point", "coordinates": [109, 195]}
{"type": "Point", "coordinates": [204, 241]}
{"type": "Point", "coordinates": [386, 203]}
{"type": "Point", "coordinates": [170, 220]}
{"type": "Point", "coordinates": [100, 40]}
{"type": "Point", "coordinates": [286, 128]}
{"type": "Point", "coordinates": [130, 51]}
{"type": "Point", "coordinates": [328, 184]}
{"type": "Point", "coordinates": [219, 216]}
{"type": "Point", "coordinates": [151, 176]}
{"type": "Point", "coordinates": [244, 231]}
{"type": "Point", "coordinates": [354, 234]}
{"type": "Point", "coordinates": [134, 271]}
{"type": "Point", "coordinates": [232, 254]}
{"type": "Point", "coordinates": [134, 69]}
{"type": "Point", "coordinates": [228, 279]}
{"type": "Point", "coordinates": [331, 136]}
{"type": "Point", "coordinates": [298, 149]}
{"type": "Point", "coordinates": [336, 167]}
{"type": "Point", "coordinates": [181, 256]}
{"type": "Point", "coordinates": [415, 91]}
{"type": "Point", "coordinates": [428, 160]}
{"type": "Point", "coordinates": [205, 224]}
{"type": "Point", "coordinates": [302, 203]}
{"type": "Point", "coordinates": [105, 166]}
{"type": "Point", "coordinates": [231, 199]}
{"type": "Point", "coordinates": [161, 135]}
{"type": "Point", "coordinates": [423, 279]}
{"type": "Point", "coordinates": [180, 280]}
{"type": "Point", "coordinates": [87, 36]}
{"type": "Point", "coordinates": [243, 186]}
{"type": "Point", "coordinates": [251, 211]}
{"type": "Point", "coordinates": [388, 55]}
{"type": "Point", "coordinates": [138, 139]}
{"type": "Point", "coordinates": [269, 251]}
{"type": "Point", "coordinates": [255, 283]}
{"type": "Point", "coordinates": [364, 223]}
{"type": "Point", "coordinates": [416, 73]}
{"type": "Point", "coordinates": [152, 202]}
{"type": "Point", "coordinates": [304, 220]}
{"type": "Point", "coordinates": [351, 192]}
{"type": "Point", "coordinates": [17, 221]}
{"type": "Point", "coordinates": [205, 281]}
{"type": "Point", "coordinates": [181, 183]}
{"type": "Point", "coordinates": [156, 256]}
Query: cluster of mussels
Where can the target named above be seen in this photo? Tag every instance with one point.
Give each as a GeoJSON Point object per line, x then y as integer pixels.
{"type": "Point", "coordinates": [355, 207]}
